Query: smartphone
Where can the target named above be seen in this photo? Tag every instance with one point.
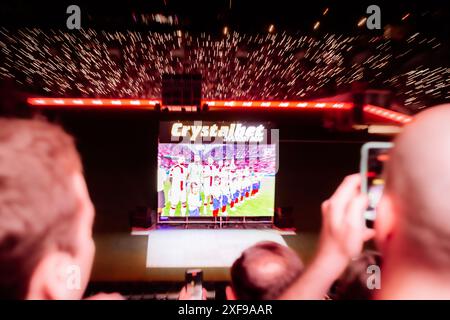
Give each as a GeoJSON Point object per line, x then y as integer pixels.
{"type": "Point", "coordinates": [194, 283]}
{"type": "Point", "coordinates": [373, 158]}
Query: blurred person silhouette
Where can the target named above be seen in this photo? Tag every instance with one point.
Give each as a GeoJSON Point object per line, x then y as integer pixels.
{"type": "Point", "coordinates": [353, 283]}
{"type": "Point", "coordinates": [263, 272]}
{"type": "Point", "coordinates": [46, 215]}
{"type": "Point", "coordinates": [412, 228]}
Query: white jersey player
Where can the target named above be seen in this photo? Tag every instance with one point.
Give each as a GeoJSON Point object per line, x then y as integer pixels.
{"type": "Point", "coordinates": [235, 192]}
{"type": "Point", "coordinates": [232, 169]}
{"type": "Point", "coordinates": [178, 174]}
{"type": "Point", "coordinates": [216, 196]}
{"type": "Point", "coordinates": [162, 178]}
{"type": "Point", "coordinates": [195, 171]}
{"type": "Point", "coordinates": [241, 185]}
{"type": "Point", "coordinates": [226, 196]}
{"type": "Point", "coordinates": [194, 200]}
{"type": "Point", "coordinates": [255, 180]}
{"type": "Point", "coordinates": [223, 173]}
{"type": "Point", "coordinates": [209, 172]}
{"type": "Point", "coordinates": [247, 183]}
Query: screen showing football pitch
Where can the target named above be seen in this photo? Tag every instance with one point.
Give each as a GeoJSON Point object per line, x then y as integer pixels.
{"type": "Point", "coordinates": [216, 169]}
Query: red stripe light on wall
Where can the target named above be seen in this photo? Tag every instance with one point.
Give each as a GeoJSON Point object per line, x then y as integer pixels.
{"type": "Point", "coordinates": [142, 103]}
{"type": "Point", "coordinates": [151, 103]}
{"type": "Point", "coordinates": [83, 102]}
{"type": "Point", "coordinates": [278, 104]}
{"type": "Point", "coordinates": [388, 114]}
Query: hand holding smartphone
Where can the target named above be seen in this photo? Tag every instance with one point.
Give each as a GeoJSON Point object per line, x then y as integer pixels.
{"type": "Point", "coordinates": [194, 284]}
{"type": "Point", "coordinates": [373, 158]}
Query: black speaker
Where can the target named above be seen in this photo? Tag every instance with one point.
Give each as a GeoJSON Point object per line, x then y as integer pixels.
{"type": "Point", "coordinates": [358, 104]}
{"type": "Point", "coordinates": [142, 217]}
{"type": "Point", "coordinates": [181, 89]}
{"type": "Point", "coordinates": [284, 217]}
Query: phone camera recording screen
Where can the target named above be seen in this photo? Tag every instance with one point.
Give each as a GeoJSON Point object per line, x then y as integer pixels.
{"type": "Point", "coordinates": [194, 283]}
{"type": "Point", "coordinates": [377, 158]}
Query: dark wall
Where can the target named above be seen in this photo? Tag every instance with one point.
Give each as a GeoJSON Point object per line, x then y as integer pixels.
{"type": "Point", "coordinates": [309, 173]}
{"type": "Point", "coordinates": [119, 156]}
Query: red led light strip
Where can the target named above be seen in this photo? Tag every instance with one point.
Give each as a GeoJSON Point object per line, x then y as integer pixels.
{"type": "Point", "coordinates": [83, 102]}
{"type": "Point", "coordinates": [150, 103]}
{"type": "Point", "coordinates": [278, 104]}
{"type": "Point", "coordinates": [388, 114]}
{"type": "Point", "coordinates": [49, 102]}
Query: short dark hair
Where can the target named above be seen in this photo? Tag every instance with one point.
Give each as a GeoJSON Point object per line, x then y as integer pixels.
{"type": "Point", "coordinates": [251, 277]}
{"type": "Point", "coordinates": [38, 205]}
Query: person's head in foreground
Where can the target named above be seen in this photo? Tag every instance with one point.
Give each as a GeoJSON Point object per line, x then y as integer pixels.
{"type": "Point", "coordinates": [263, 272]}
{"type": "Point", "coordinates": [413, 216]}
{"type": "Point", "coordinates": [412, 227]}
{"type": "Point", "coordinates": [46, 216]}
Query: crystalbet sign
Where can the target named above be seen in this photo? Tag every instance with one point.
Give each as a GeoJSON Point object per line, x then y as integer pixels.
{"type": "Point", "coordinates": [234, 132]}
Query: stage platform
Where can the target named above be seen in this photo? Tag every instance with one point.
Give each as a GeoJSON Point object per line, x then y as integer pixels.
{"type": "Point", "coordinates": [122, 257]}
{"type": "Point", "coordinates": [202, 248]}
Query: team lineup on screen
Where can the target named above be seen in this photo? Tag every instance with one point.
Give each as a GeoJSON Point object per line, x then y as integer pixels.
{"type": "Point", "coordinates": [216, 180]}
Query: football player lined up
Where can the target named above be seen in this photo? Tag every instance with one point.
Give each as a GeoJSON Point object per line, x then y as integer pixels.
{"type": "Point", "coordinates": [178, 175]}
{"type": "Point", "coordinates": [195, 171]}
{"type": "Point", "coordinates": [216, 196]}
{"type": "Point", "coordinates": [225, 186]}
{"type": "Point", "coordinates": [194, 200]}
{"type": "Point", "coordinates": [209, 171]}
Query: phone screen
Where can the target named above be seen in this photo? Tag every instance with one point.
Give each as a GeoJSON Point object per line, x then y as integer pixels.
{"type": "Point", "coordinates": [194, 279]}
{"type": "Point", "coordinates": [374, 157]}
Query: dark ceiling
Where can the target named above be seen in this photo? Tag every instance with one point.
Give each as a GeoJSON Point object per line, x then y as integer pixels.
{"type": "Point", "coordinates": [335, 16]}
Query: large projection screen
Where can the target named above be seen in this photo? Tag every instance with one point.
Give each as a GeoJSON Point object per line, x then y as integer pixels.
{"type": "Point", "coordinates": [216, 169]}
